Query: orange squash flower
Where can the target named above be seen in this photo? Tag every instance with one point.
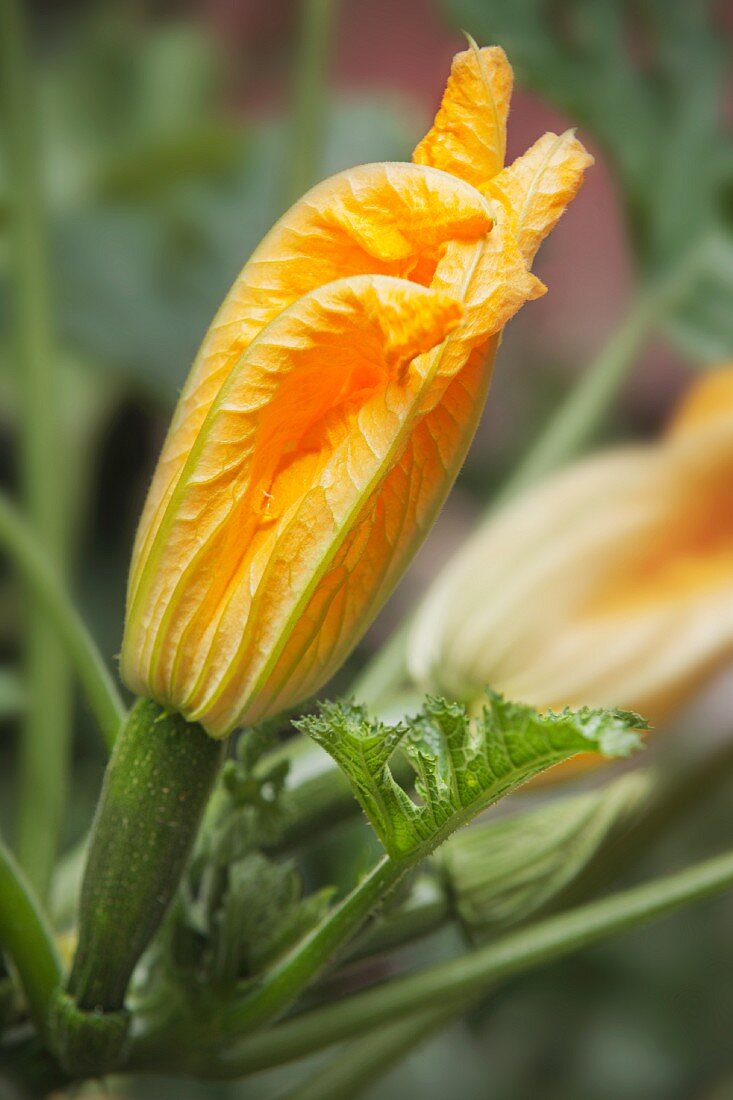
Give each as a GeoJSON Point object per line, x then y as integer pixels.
{"type": "Point", "coordinates": [609, 584]}
{"type": "Point", "coordinates": [330, 408]}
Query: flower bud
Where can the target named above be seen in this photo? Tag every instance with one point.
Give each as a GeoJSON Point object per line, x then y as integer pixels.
{"type": "Point", "coordinates": [330, 408]}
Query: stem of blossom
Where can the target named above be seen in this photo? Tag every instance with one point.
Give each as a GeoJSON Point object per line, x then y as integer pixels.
{"type": "Point", "coordinates": [45, 744]}
{"type": "Point", "coordinates": [457, 982]}
{"type": "Point", "coordinates": [28, 940]}
{"type": "Point", "coordinates": [309, 96]}
{"type": "Point", "coordinates": [38, 572]}
{"type": "Point", "coordinates": [155, 789]}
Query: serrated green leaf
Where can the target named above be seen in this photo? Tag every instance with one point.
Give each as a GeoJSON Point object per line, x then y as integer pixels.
{"type": "Point", "coordinates": [461, 764]}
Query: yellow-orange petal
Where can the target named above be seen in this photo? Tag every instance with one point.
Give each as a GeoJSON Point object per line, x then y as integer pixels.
{"type": "Point", "coordinates": [308, 418]}
{"type": "Point", "coordinates": [491, 278]}
{"type": "Point", "coordinates": [540, 184]}
{"type": "Point", "coordinates": [433, 423]}
{"type": "Point", "coordinates": [468, 137]}
{"type": "Point", "coordinates": [629, 555]}
{"type": "Point", "coordinates": [709, 399]}
{"type": "Point", "coordinates": [378, 218]}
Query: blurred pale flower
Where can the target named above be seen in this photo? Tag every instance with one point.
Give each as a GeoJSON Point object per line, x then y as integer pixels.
{"type": "Point", "coordinates": [610, 583]}
{"type": "Point", "coordinates": [330, 408]}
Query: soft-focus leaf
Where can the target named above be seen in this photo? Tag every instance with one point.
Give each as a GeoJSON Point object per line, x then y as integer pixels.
{"type": "Point", "coordinates": [702, 322]}
{"type": "Point", "coordinates": [12, 698]}
{"type": "Point", "coordinates": [461, 765]}
{"type": "Point", "coordinates": [506, 871]}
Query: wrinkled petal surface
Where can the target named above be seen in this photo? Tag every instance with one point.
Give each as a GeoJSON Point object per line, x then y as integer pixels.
{"type": "Point", "coordinates": [379, 218]}
{"type": "Point", "coordinates": [279, 472]}
{"type": "Point", "coordinates": [329, 411]}
{"type": "Point", "coordinates": [468, 137]}
{"type": "Point", "coordinates": [539, 185]}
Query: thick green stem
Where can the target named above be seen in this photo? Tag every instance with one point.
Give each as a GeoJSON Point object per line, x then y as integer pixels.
{"type": "Point", "coordinates": [309, 95]}
{"type": "Point", "coordinates": [41, 577]}
{"type": "Point", "coordinates": [155, 790]}
{"type": "Point", "coordinates": [28, 940]}
{"type": "Point", "coordinates": [156, 787]}
{"type": "Point", "coordinates": [45, 744]}
{"type": "Point", "coordinates": [457, 982]}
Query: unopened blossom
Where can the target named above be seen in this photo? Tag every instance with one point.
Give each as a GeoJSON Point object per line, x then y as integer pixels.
{"type": "Point", "coordinates": [330, 408]}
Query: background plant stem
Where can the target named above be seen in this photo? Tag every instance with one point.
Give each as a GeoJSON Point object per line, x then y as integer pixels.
{"type": "Point", "coordinates": [458, 981]}
{"type": "Point", "coordinates": [367, 1060]}
{"type": "Point", "coordinates": [45, 743]}
{"type": "Point", "coordinates": [576, 422]}
{"type": "Point", "coordinates": [309, 97]}
{"type": "Point", "coordinates": [27, 938]}
{"type": "Point", "coordinates": [20, 542]}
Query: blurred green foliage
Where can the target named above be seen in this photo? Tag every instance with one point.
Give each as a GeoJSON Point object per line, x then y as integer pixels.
{"type": "Point", "coordinates": [158, 191]}
{"type": "Point", "coordinates": [647, 80]}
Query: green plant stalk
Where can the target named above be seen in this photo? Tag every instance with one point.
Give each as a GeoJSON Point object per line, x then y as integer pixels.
{"type": "Point", "coordinates": [45, 744]}
{"type": "Point", "coordinates": [367, 1059]}
{"type": "Point", "coordinates": [20, 542]}
{"type": "Point", "coordinates": [574, 425]}
{"type": "Point", "coordinates": [453, 983]}
{"type": "Point", "coordinates": [309, 97]}
{"type": "Point", "coordinates": [155, 789]}
{"type": "Point", "coordinates": [427, 908]}
{"type": "Point", "coordinates": [28, 940]}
